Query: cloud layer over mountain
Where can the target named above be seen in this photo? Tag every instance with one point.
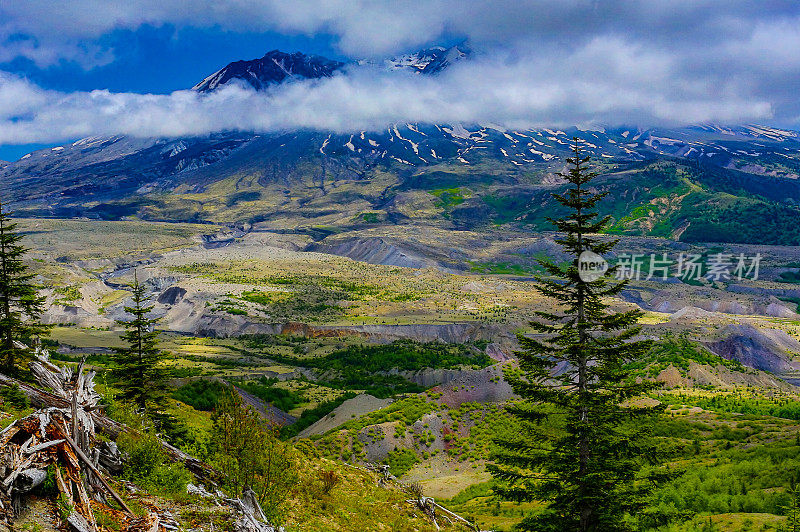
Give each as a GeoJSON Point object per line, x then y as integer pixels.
{"type": "Point", "coordinates": [539, 63]}
{"type": "Point", "coordinates": [46, 30]}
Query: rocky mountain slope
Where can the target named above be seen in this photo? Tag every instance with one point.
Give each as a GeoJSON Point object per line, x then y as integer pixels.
{"type": "Point", "coordinates": [702, 183]}
{"type": "Point", "coordinates": [275, 67]}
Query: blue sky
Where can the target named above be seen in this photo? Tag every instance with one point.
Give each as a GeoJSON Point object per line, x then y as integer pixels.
{"type": "Point", "coordinates": [157, 60]}
{"type": "Point", "coordinates": [163, 59]}
{"type": "Point", "coordinates": [78, 68]}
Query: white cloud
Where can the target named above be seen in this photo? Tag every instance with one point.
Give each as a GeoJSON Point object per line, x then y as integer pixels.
{"type": "Point", "coordinates": [606, 81]}
{"type": "Point", "coordinates": [378, 27]}
{"type": "Point", "coordinates": [726, 60]}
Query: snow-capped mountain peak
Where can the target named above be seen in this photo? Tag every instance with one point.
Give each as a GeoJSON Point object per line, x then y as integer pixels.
{"type": "Point", "coordinates": [278, 67]}
{"type": "Point", "coordinates": [450, 56]}
{"type": "Point", "coordinates": [414, 61]}
{"type": "Point", "coordinates": [430, 60]}
{"type": "Point", "coordinates": [274, 68]}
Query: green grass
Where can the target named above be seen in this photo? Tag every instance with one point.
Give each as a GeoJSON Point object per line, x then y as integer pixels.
{"type": "Point", "coordinates": [680, 353]}
{"type": "Point", "coordinates": [266, 390]}
{"type": "Point", "coordinates": [295, 297]}
{"type": "Point", "coordinates": [67, 294]}
{"type": "Point", "coordinates": [200, 394]}
{"type": "Point", "coordinates": [448, 197]}
{"type": "Point", "coordinates": [400, 461]}
{"type": "Point", "coordinates": [406, 411]}
{"type": "Point", "coordinates": [363, 367]}
{"type": "Point", "coordinates": [503, 268]}
{"type": "Point", "coordinates": [789, 277]}
{"type": "Point", "coordinates": [68, 240]}
{"type": "Point", "coordinates": [86, 338]}
{"type": "Point", "coordinates": [312, 415]}
{"type": "Point", "coordinates": [748, 403]}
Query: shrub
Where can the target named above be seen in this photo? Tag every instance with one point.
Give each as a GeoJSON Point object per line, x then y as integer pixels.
{"type": "Point", "coordinates": [400, 461]}
{"type": "Point", "coordinates": [14, 397]}
{"type": "Point", "coordinates": [249, 451]}
{"type": "Point", "coordinates": [415, 489]}
{"type": "Point", "coordinates": [278, 397]}
{"type": "Point", "coordinates": [148, 465]}
{"type": "Point", "coordinates": [200, 394]}
{"type": "Point", "coordinates": [311, 416]}
{"type": "Point", "coordinates": [329, 480]}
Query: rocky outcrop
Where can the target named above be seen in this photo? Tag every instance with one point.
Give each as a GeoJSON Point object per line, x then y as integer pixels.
{"type": "Point", "coordinates": [171, 295]}
{"type": "Point", "coordinates": [735, 299]}
{"type": "Point", "coordinates": [355, 407]}
{"type": "Point", "coordinates": [719, 375]}
{"type": "Point", "coordinates": [429, 332]}
{"type": "Point", "coordinates": [764, 349]}
{"type": "Point", "coordinates": [375, 250]}
{"type": "Point", "coordinates": [191, 316]}
{"type": "Point", "coordinates": [481, 386]}
{"type": "Point", "coordinates": [267, 411]}
{"type": "Point", "coordinates": [668, 303]}
{"type": "Point", "coordinates": [76, 315]}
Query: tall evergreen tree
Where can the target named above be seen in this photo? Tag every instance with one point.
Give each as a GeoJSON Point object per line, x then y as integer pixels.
{"type": "Point", "coordinates": [792, 523]}
{"type": "Point", "coordinates": [142, 378]}
{"type": "Point", "coordinates": [20, 302]}
{"type": "Point", "coordinates": [585, 436]}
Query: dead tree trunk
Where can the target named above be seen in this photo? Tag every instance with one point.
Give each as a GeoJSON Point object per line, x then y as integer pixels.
{"type": "Point", "coordinates": [46, 372]}
{"type": "Point", "coordinates": [62, 433]}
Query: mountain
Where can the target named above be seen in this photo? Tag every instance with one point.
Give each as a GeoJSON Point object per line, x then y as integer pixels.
{"type": "Point", "coordinates": [707, 182]}
{"type": "Point", "coordinates": [278, 67]}
{"type": "Point", "coordinates": [446, 58]}
{"type": "Point", "coordinates": [430, 60]}
{"type": "Point", "coordinates": [274, 68]}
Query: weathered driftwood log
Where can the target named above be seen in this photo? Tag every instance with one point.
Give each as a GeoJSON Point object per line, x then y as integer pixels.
{"type": "Point", "coordinates": [92, 468]}
{"type": "Point", "coordinates": [109, 457]}
{"type": "Point", "coordinates": [36, 396]}
{"type": "Point", "coordinates": [43, 438]}
{"type": "Point", "coordinates": [149, 523]}
{"type": "Point", "coordinates": [29, 479]}
{"type": "Point", "coordinates": [426, 504]}
{"type": "Point", "coordinates": [78, 523]}
{"type": "Point", "coordinates": [62, 433]}
{"type": "Point", "coordinates": [251, 516]}
{"type": "Point", "coordinates": [90, 411]}
{"type": "Point", "coordinates": [430, 507]}
{"type": "Point", "coordinates": [31, 445]}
